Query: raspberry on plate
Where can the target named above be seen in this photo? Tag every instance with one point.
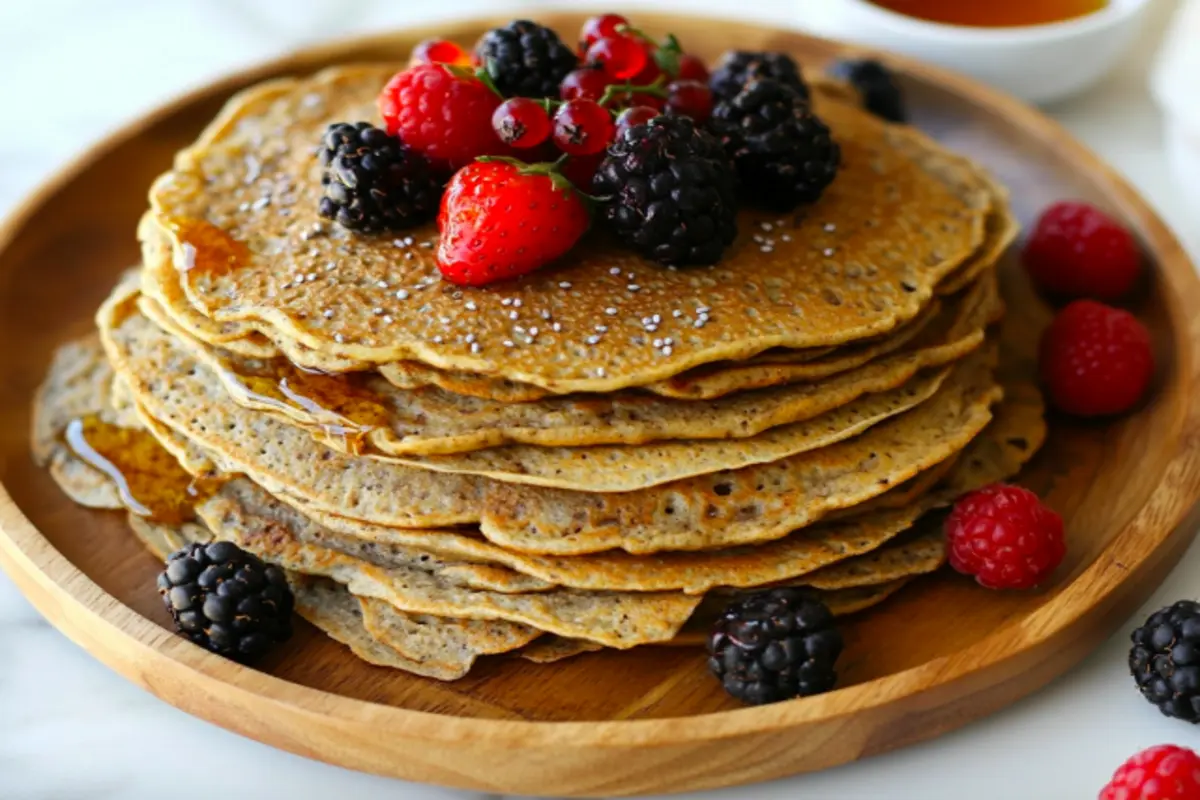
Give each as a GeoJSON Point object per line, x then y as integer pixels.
{"type": "Point", "coordinates": [1165, 772]}
{"type": "Point", "coordinates": [444, 115]}
{"type": "Point", "coordinates": [1077, 250]}
{"type": "Point", "coordinates": [1095, 360]}
{"type": "Point", "coordinates": [1005, 537]}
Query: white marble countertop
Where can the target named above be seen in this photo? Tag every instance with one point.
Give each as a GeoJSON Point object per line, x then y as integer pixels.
{"type": "Point", "coordinates": [69, 728]}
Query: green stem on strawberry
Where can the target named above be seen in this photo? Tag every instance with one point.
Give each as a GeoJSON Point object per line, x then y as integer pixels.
{"type": "Point", "coordinates": [552, 170]}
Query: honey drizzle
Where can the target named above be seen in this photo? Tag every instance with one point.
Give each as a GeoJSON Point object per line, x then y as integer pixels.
{"type": "Point", "coordinates": [149, 480]}
{"type": "Point", "coordinates": [331, 404]}
{"type": "Point", "coordinates": [993, 13]}
{"type": "Point", "coordinates": [205, 248]}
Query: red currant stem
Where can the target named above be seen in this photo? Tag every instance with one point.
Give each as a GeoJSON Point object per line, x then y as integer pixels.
{"type": "Point", "coordinates": [656, 89]}
{"type": "Point", "coordinates": [481, 74]}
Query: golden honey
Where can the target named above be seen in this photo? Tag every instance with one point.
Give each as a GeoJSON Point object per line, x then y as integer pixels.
{"type": "Point", "coordinates": [993, 13]}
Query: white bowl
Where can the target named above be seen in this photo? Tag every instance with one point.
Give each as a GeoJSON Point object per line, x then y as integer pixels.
{"type": "Point", "coordinates": [1038, 63]}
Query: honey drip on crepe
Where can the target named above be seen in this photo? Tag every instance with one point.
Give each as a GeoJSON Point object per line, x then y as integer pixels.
{"type": "Point", "coordinates": [335, 405]}
{"type": "Point", "coordinates": [993, 13]}
{"type": "Point", "coordinates": [205, 248]}
{"type": "Point", "coordinates": [149, 480]}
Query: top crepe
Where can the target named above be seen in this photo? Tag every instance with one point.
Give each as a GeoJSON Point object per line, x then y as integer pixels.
{"type": "Point", "coordinates": [240, 210]}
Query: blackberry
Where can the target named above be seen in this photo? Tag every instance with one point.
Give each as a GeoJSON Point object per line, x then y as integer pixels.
{"type": "Point", "coordinates": [877, 85]}
{"type": "Point", "coordinates": [1165, 660]}
{"type": "Point", "coordinates": [373, 182]}
{"type": "Point", "coordinates": [739, 67]}
{"type": "Point", "coordinates": [669, 191]}
{"type": "Point", "coordinates": [227, 600]}
{"type": "Point", "coordinates": [783, 152]}
{"type": "Point", "coordinates": [524, 59]}
{"type": "Point", "coordinates": [773, 646]}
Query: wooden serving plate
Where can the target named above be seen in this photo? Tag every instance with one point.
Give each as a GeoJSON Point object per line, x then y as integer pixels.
{"type": "Point", "coordinates": [941, 653]}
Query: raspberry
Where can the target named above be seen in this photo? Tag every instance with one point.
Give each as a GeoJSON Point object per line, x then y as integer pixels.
{"type": "Point", "coordinates": [1079, 251]}
{"type": "Point", "coordinates": [1005, 537]}
{"type": "Point", "coordinates": [1165, 772]}
{"type": "Point", "coordinates": [1095, 360]}
{"type": "Point", "coordinates": [444, 116]}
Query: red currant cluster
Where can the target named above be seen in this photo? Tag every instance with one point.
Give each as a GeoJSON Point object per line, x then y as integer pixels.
{"type": "Point", "coordinates": [626, 79]}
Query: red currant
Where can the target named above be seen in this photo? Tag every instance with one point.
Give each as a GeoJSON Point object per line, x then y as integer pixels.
{"type": "Point", "coordinates": [690, 99]}
{"type": "Point", "coordinates": [692, 68]}
{"type": "Point", "coordinates": [521, 122]}
{"type": "Point", "coordinates": [582, 127]}
{"type": "Point", "coordinates": [439, 51]}
{"type": "Point", "coordinates": [584, 84]}
{"type": "Point", "coordinates": [622, 57]}
{"type": "Point", "coordinates": [580, 169]}
{"type": "Point", "coordinates": [599, 27]}
{"type": "Point", "coordinates": [621, 100]}
{"type": "Point", "coordinates": [650, 72]}
{"type": "Point", "coordinates": [636, 115]}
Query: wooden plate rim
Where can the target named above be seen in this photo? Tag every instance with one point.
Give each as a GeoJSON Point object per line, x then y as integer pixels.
{"type": "Point", "coordinates": [51, 582]}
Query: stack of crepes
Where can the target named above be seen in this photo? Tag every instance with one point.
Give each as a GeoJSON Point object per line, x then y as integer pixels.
{"type": "Point", "coordinates": [593, 456]}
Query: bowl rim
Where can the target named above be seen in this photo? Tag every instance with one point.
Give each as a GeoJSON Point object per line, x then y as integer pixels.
{"type": "Point", "coordinates": [1112, 14]}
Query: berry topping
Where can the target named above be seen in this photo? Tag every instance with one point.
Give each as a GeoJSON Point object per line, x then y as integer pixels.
{"type": "Point", "coordinates": [501, 218]}
{"type": "Point", "coordinates": [690, 99]}
{"type": "Point", "coordinates": [585, 83]}
{"type": "Point", "coordinates": [782, 151]}
{"type": "Point", "coordinates": [1165, 660]}
{"type": "Point", "coordinates": [670, 192]}
{"type": "Point", "coordinates": [621, 57]}
{"type": "Point", "coordinates": [440, 51]}
{"type": "Point", "coordinates": [372, 182]}
{"type": "Point", "coordinates": [442, 114]}
{"type": "Point", "coordinates": [773, 646]}
{"type": "Point", "coordinates": [1095, 360]}
{"type": "Point", "coordinates": [739, 67]}
{"type": "Point", "coordinates": [227, 600]}
{"type": "Point", "coordinates": [1165, 772]}
{"type": "Point", "coordinates": [635, 115]}
{"type": "Point", "coordinates": [525, 59]}
{"type": "Point", "coordinates": [1004, 537]}
{"type": "Point", "coordinates": [521, 122]}
{"type": "Point", "coordinates": [599, 27]}
{"type": "Point", "coordinates": [877, 85]}
{"type": "Point", "coordinates": [1079, 251]}
{"type": "Point", "coordinates": [692, 68]}
{"type": "Point", "coordinates": [582, 127]}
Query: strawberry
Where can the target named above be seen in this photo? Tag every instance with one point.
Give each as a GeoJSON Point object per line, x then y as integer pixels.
{"type": "Point", "coordinates": [501, 218]}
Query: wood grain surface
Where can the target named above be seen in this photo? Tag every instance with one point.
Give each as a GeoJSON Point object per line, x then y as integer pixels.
{"type": "Point", "coordinates": [941, 653]}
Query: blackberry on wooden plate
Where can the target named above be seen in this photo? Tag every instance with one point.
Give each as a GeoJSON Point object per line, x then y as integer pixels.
{"type": "Point", "coordinates": [877, 85]}
{"type": "Point", "coordinates": [739, 67]}
{"type": "Point", "coordinates": [783, 152]}
{"type": "Point", "coordinates": [373, 182]}
{"type": "Point", "coordinates": [669, 191]}
{"type": "Point", "coordinates": [524, 59]}
{"type": "Point", "coordinates": [1165, 660]}
{"type": "Point", "coordinates": [227, 600]}
{"type": "Point", "coordinates": [773, 646]}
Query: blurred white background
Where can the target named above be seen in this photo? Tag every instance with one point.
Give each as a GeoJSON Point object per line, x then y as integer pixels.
{"type": "Point", "coordinates": [72, 70]}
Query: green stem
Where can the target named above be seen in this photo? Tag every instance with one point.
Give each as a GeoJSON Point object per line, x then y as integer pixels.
{"type": "Point", "coordinates": [656, 89]}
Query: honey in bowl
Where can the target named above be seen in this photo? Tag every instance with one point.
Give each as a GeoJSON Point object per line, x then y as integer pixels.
{"type": "Point", "coordinates": [993, 13]}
